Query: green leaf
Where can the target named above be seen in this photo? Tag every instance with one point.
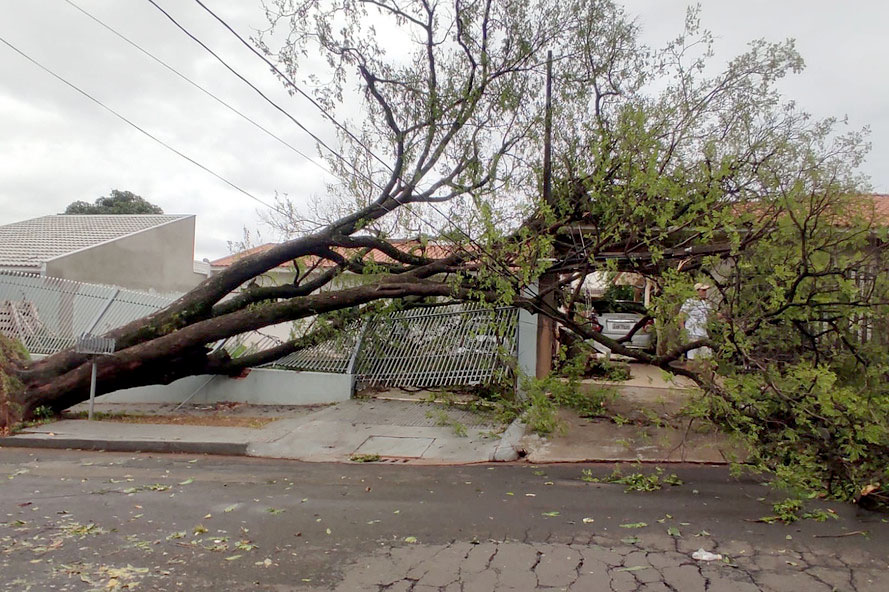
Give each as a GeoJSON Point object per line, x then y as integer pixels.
{"type": "Point", "coordinates": [634, 525]}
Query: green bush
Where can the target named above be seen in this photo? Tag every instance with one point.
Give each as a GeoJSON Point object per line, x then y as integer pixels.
{"type": "Point", "coordinates": [811, 426]}
{"type": "Point", "coordinates": [544, 396]}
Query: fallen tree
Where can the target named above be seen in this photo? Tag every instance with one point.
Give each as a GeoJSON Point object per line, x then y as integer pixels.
{"type": "Point", "coordinates": [660, 169]}
{"type": "Point", "coordinates": [451, 128]}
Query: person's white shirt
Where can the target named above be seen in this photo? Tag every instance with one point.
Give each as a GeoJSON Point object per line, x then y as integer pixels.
{"type": "Point", "coordinates": [697, 315]}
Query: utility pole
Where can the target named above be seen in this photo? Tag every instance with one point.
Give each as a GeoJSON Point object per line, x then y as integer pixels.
{"type": "Point", "coordinates": [545, 326]}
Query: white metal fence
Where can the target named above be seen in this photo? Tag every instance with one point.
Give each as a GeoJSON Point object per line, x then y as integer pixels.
{"type": "Point", "coordinates": [47, 314]}
{"type": "Point", "coordinates": [334, 355]}
{"type": "Point", "coordinates": [458, 345]}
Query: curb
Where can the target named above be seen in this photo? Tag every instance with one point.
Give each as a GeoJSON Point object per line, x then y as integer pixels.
{"type": "Point", "coordinates": [219, 448]}
{"type": "Point", "coordinates": [508, 447]}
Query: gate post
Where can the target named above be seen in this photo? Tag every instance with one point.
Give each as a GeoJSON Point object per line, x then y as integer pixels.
{"type": "Point", "coordinates": [353, 359]}
{"type": "Point", "coordinates": [526, 342]}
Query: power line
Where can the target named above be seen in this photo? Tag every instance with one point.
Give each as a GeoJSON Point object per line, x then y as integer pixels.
{"type": "Point", "coordinates": [140, 129]}
{"type": "Point", "coordinates": [294, 86]}
{"type": "Point", "coordinates": [282, 110]}
{"type": "Point", "coordinates": [196, 85]}
{"type": "Point", "coordinates": [321, 142]}
{"type": "Point", "coordinates": [330, 117]}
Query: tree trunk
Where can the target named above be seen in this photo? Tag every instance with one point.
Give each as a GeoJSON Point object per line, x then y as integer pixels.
{"type": "Point", "coordinates": [58, 382]}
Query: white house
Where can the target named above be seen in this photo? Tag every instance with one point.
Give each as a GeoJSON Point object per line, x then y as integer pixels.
{"type": "Point", "coordinates": [141, 252]}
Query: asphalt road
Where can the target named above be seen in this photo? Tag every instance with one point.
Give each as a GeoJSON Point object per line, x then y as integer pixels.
{"type": "Point", "coordinates": [105, 521]}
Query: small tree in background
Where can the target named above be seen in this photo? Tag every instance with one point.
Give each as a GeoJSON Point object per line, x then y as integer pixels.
{"type": "Point", "coordinates": [119, 202]}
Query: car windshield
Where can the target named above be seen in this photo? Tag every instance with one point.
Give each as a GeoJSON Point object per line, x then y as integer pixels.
{"type": "Point", "coordinates": [618, 306]}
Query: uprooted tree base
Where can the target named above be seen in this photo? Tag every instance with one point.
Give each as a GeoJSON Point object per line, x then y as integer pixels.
{"type": "Point", "coordinates": [13, 357]}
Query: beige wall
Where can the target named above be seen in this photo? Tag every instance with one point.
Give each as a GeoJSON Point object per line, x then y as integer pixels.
{"type": "Point", "coordinates": [160, 258]}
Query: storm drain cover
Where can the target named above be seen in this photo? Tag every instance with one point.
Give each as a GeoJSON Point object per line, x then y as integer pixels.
{"type": "Point", "coordinates": [395, 446]}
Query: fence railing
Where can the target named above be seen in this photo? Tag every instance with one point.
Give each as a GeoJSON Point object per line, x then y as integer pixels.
{"type": "Point", "coordinates": [48, 314]}
{"type": "Point", "coordinates": [333, 355]}
{"type": "Point", "coordinates": [458, 345]}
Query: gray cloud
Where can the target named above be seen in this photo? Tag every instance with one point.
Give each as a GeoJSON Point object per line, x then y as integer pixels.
{"type": "Point", "coordinates": [59, 147]}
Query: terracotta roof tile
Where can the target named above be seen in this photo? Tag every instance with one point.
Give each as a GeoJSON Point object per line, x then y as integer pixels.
{"type": "Point", "coordinates": [229, 259]}
{"type": "Point", "coordinates": [881, 207]}
{"type": "Point", "coordinates": [433, 251]}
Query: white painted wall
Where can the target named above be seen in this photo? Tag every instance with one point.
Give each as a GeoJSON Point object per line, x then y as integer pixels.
{"type": "Point", "coordinates": [159, 258]}
{"type": "Point", "coordinates": [263, 386]}
{"type": "Point", "coordinates": [527, 343]}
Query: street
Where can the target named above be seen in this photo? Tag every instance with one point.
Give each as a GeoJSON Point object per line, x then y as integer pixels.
{"type": "Point", "coordinates": [81, 521]}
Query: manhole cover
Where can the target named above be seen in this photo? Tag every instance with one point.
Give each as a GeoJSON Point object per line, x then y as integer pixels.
{"type": "Point", "coordinates": [395, 446]}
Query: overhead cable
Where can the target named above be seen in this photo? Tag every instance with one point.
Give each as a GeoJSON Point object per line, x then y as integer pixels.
{"type": "Point", "coordinates": [198, 86]}
{"type": "Point", "coordinates": [137, 127]}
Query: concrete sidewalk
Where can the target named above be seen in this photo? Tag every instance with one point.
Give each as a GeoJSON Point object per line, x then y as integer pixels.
{"type": "Point", "coordinates": [402, 429]}
{"type": "Point", "coordinates": [395, 431]}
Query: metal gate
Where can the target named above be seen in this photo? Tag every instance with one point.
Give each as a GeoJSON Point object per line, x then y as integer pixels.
{"type": "Point", "coordinates": [456, 345]}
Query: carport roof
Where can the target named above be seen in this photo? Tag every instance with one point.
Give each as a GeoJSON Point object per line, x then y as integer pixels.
{"type": "Point", "coordinates": [32, 242]}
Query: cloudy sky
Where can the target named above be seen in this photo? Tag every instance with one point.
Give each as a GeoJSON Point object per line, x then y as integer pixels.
{"type": "Point", "coordinates": [58, 146]}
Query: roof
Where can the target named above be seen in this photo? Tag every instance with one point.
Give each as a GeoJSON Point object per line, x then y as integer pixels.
{"type": "Point", "coordinates": [438, 250]}
{"type": "Point", "coordinates": [32, 242]}
{"type": "Point", "coordinates": [432, 250]}
{"type": "Point", "coordinates": [881, 207]}
{"type": "Point", "coordinates": [869, 208]}
{"type": "Point", "coordinates": [229, 259]}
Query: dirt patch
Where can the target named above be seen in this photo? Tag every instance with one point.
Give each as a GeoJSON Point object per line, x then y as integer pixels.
{"type": "Point", "coordinates": [205, 420]}
{"type": "Point", "coordinates": [237, 415]}
{"type": "Point", "coordinates": [197, 420]}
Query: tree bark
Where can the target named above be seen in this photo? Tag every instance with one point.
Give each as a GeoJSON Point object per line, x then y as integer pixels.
{"type": "Point", "coordinates": [185, 351]}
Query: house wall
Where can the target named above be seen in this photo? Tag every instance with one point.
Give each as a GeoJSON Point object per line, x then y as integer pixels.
{"type": "Point", "coordinates": [262, 386]}
{"type": "Point", "coordinates": [160, 258]}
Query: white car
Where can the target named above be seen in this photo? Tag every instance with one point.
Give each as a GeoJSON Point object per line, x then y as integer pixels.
{"type": "Point", "coordinates": [615, 319]}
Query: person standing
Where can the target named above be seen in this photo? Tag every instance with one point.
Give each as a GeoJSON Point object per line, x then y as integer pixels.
{"type": "Point", "coordinates": [694, 317]}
